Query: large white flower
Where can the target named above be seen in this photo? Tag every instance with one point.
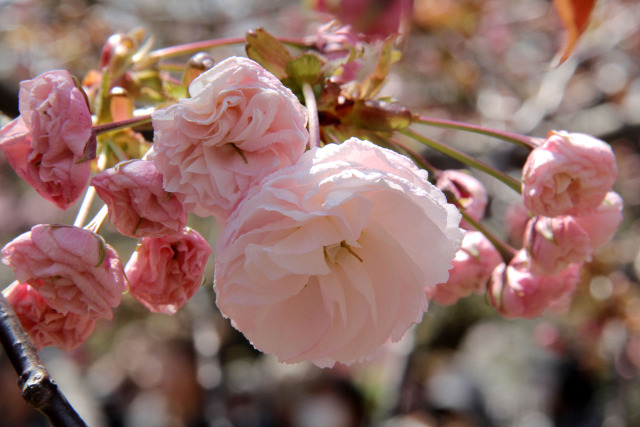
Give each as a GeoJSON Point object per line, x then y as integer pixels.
{"type": "Point", "coordinates": [328, 259]}
{"type": "Point", "coordinates": [240, 124]}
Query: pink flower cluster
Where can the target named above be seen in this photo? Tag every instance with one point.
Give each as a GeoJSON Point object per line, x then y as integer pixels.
{"type": "Point", "coordinates": [325, 254]}
{"type": "Point", "coordinates": [566, 186]}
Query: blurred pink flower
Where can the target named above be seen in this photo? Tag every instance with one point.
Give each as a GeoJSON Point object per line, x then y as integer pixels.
{"type": "Point", "coordinates": [327, 260]}
{"type": "Point", "coordinates": [569, 174]}
{"type": "Point", "coordinates": [72, 268]}
{"type": "Point", "coordinates": [44, 324]}
{"type": "Point", "coordinates": [472, 267]}
{"type": "Point", "coordinates": [335, 40]}
{"type": "Point", "coordinates": [602, 224]}
{"type": "Point", "coordinates": [516, 292]}
{"type": "Point", "coordinates": [165, 272]}
{"type": "Point", "coordinates": [468, 191]}
{"type": "Point", "coordinates": [138, 205]}
{"type": "Point", "coordinates": [554, 243]}
{"type": "Point", "coordinates": [377, 19]}
{"type": "Point", "coordinates": [50, 144]}
{"type": "Point", "coordinates": [240, 124]}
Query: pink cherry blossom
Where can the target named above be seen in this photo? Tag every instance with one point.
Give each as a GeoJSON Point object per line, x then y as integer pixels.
{"type": "Point", "coordinates": [569, 174]}
{"type": "Point", "coordinates": [240, 124]}
{"type": "Point", "coordinates": [72, 268]}
{"type": "Point", "coordinates": [335, 40]}
{"type": "Point", "coordinates": [45, 325]}
{"type": "Point", "coordinates": [165, 272]}
{"type": "Point", "coordinates": [602, 224]}
{"type": "Point", "coordinates": [50, 143]}
{"type": "Point", "coordinates": [516, 292]}
{"type": "Point", "coordinates": [138, 205]}
{"type": "Point", "coordinates": [327, 260]}
{"type": "Point", "coordinates": [468, 191]}
{"type": "Point", "coordinates": [554, 243]}
{"type": "Point", "coordinates": [472, 267]}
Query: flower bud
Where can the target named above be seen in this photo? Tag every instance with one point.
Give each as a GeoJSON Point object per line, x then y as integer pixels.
{"type": "Point", "coordinates": [138, 204]}
{"type": "Point", "coordinates": [554, 243]}
{"type": "Point", "coordinates": [115, 52]}
{"type": "Point", "coordinates": [568, 174]}
{"type": "Point", "coordinates": [198, 64]}
{"type": "Point", "coordinates": [469, 193]}
{"type": "Point", "coordinates": [470, 270]}
{"type": "Point", "coordinates": [44, 324]}
{"type": "Point", "coordinates": [72, 268]}
{"type": "Point", "coordinates": [515, 291]}
{"type": "Point", "coordinates": [165, 272]}
{"type": "Point", "coordinates": [120, 104]}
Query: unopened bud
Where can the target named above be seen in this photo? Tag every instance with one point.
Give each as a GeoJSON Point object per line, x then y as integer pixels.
{"type": "Point", "coordinates": [120, 104]}
{"type": "Point", "coordinates": [116, 51]}
{"type": "Point", "coordinates": [198, 64]}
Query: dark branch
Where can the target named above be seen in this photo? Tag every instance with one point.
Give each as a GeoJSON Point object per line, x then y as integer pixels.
{"type": "Point", "coordinates": [38, 389]}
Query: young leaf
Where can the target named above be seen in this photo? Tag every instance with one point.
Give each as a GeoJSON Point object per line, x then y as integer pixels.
{"type": "Point", "coordinates": [267, 51]}
{"type": "Point", "coordinates": [575, 17]}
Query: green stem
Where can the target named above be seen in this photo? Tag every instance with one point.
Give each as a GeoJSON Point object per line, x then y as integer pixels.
{"type": "Point", "coordinates": [124, 124]}
{"type": "Point", "coordinates": [417, 157]}
{"type": "Point", "coordinates": [515, 138]}
{"type": "Point", "coordinates": [464, 158]}
{"type": "Point", "coordinates": [314, 125]}
{"type": "Point", "coordinates": [195, 47]}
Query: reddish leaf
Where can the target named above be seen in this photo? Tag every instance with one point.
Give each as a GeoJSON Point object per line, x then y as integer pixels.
{"type": "Point", "coordinates": [575, 17]}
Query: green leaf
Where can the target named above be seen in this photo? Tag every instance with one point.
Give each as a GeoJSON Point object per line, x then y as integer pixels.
{"type": "Point", "coordinates": [267, 51]}
{"type": "Point", "coordinates": [306, 68]}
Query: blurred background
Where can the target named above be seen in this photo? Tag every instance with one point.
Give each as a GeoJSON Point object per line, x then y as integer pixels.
{"type": "Point", "coordinates": [486, 62]}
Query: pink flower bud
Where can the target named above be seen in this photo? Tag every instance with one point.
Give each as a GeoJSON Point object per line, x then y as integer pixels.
{"type": "Point", "coordinates": [569, 174]}
{"type": "Point", "coordinates": [468, 191]}
{"type": "Point", "coordinates": [138, 205]}
{"type": "Point", "coordinates": [72, 268]}
{"type": "Point", "coordinates": [165, 272]}
{"type": "Point", "coordinates": [602, 224]}
{"type": "Point", "coordinates": [45, 325]}
{"type": "Point", "coordinates": [50, 144]}
{"type": "Point", "coordinates": [516, 292]}
{"type": "Point", "coordinates": [515, 220]}
{"type": "Point", "coordinates": [554, 243]}
{"type": "Point", "coordinates": [471, 269]}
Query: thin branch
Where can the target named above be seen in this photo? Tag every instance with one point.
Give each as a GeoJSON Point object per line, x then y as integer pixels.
{"type": "Point", "coordinates": [124, 124]}
{"type": "Point", "coordinates": [38, 389]}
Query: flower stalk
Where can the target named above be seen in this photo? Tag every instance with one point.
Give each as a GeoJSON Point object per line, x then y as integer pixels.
{"type": "Point", "coordinates": [124, 124]}
{"type": "Point", "coordinates": [514, 138]}
{"type": "Point", "coordinates": [464, 158]}
{"type": "Point", "coordinates": [314, 123]}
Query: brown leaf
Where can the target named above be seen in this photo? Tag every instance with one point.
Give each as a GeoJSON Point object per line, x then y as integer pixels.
{"type": "Point", "coordinates": [575, 17]}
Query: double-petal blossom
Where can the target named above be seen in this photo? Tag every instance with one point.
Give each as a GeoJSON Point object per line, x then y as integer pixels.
{"type": "Point", "coordinates": [327, 260]}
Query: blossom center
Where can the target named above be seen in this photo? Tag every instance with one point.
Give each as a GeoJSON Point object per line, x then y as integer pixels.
{"type": "Point", "coordinates": [333, 252]}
